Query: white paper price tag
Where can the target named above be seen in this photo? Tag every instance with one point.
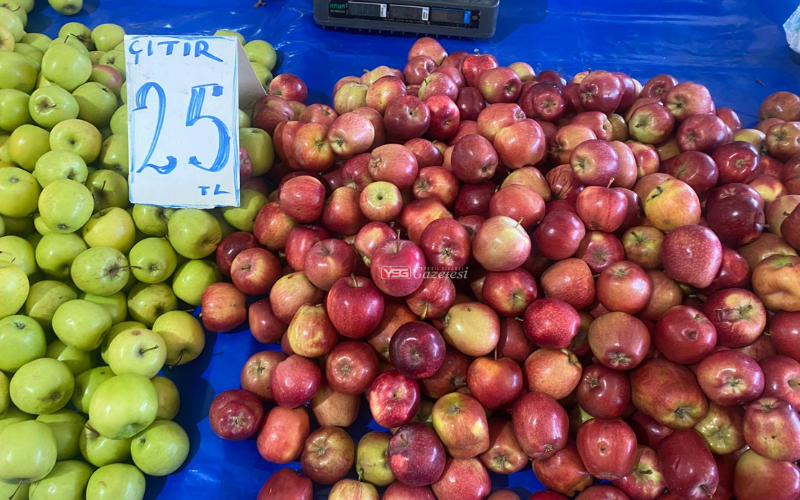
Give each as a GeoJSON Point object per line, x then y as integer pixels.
{"type": "Point", "coordinates": [183, 137]}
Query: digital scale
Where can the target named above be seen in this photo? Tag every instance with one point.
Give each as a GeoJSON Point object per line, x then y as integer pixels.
{"type": "Point", "coordinates": [453, 18]}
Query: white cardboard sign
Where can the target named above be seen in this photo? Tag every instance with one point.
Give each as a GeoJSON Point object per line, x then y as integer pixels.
{"type": "Point", "coordinates": [184, 93]}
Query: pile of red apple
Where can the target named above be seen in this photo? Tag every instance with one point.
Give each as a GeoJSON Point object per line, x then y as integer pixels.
{"type": "Point", "coordinates": [597, 278]}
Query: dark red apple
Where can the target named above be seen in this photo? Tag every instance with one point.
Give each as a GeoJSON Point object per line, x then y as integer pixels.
{"type": "Point", "coordinates": [235, 415]}
{"type": "Point", "coordinates": [286, 484]}
{"type": "Point", "coordinates": [294, 381]}
{"type": "Point", "coordinates": [685, 335]}
{"type": "Point", "coordinates": [417, 350]}
{"type": "Point", "coordinates": [416, 455]}
{"type": "Point", "coordinates": [328, 455]}
{"type": "Point", "coordinates": [607, 448]}
{"type": "Point", "coordinates": [603, 392]}
{"type": "Point", "coordinates": [393, 399]}
{"type": "Point", "coordinates": [559, 235]}
{"type": "Point", "coordinates": [230, 247]}
{"type": "Point", "coordinates": [355, 306]}
{"type": "Point", "coordinates": [551, 323]}
{"type": "Point", "coordinates": [540, 424]}
{"type": "Point", "coordinates": [351, 367]}
{"type": "Point", "coordinates": [688, 467]}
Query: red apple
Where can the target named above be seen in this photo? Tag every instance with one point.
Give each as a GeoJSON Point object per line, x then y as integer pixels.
{"type": "Point", "coordinates": [544, 101]}
{"type": "Point", "coordinates": [255, 270]}
{"type": "Point", "coordinates": [599, 250]}
{"type": "Point", "coordinates": [551, 323]}
{"type": "Point", "coordinates": [450, 377]}
{"type": "Point", "coordinates": [730, 118]}
{"type": "Point", "coordinates": [349, 96]}
{"type": "Point", "coordinates": [406, 117]}
{"type": "Point", "coordinates": [624, 287]}
{"type": "Point", "coordinates": [504, 455]}
{"type": "Point", "coordinates": [318, 113]}
{"type": "Point", "coordinates": [494, 382]}
{"type": "Point", "coordinates": [730, 378]}
{"type": "Point", "coordinates": [494, 118]}
{"type": "Point", "coordinates": [463, 480]}
{"type": "Point", "coordinates": [398, 268]}
{"type": "Point", "coordinates": [394, 163]}
{"type": "Point", "coordinates": [607, 448]}
{"type": "Point", "coordinates": [460, 422]}
{"type": "Point", "coordinates": [693, 255]}
{"type": "Point", "coordinates": [436, 182]}
{"type": "Point", "coordinates": [687, 99]}
{"type": "Point", "coordinates": [559, 235]}
{"type": "Point", "coordinates": [393, 399]}
{"type": "Point", "coordinates": [475, 64]}
{"type": "Point", "coordinates": [280, 439]}
{"type": "Point", "coordinates": [312, 150]}
{"type": "Point", "coordinates": [230, 247]}
{"type": "Point", "coordinates": [695, 168]}
{"type": "Point", "coordinates": [649, 431]}
{"type": "Point", "coordinates": [603, 392]}
{"type": "Point", "coordinates": [669, 393]}
{"type": "Point", "coordinates": [290, 292]}
{"type": "Point", "coordinates": [685, 335]}
{"type": "Point", "coordinates": [351, 367]}
{"type": "Point", "coordinates": [428, 47]}
{"type": "Point", "coordinates": [738, 315]}
{"type": "Point", "coordinates": [272, 226]}
{"type": "Point", "coordinates": [294, 381]}
{"type": "Point", "coordinates": [416, 455]}
{"type": "Point", "coordinates": [499, 85]}
{"type": "Point", "coordinates": [783, 105]}
{"type": "Point", "coordinates": [757, 478]}
{"type": "Point", "coordinates": [351, 134]}
{"type": "Point", "coordinates": [269, 111]}
{"type": "Point", "coordinates": [595, 163]}
{"type": "Point", "coordinates": [383, 91]}
{"type": "Point", "coordinates": [781, 378]}
{"type": "Point", "coordinates": [417, 69]}
{"type": "Point", "coordinates": [264, 325]}
{"type": "Point", "coordinates": [474, 159]}
{"type": "Point", "coordinates": [702, 133]}
{"type": "Point", "coordinates": [224, 307]}
{"type": "Point", "coordinates": [355, 306]}
{"type": "Point", "coordinates": [540, 424]}
{"type": "Point", "coordinates": [784, 330]}
{"type": "Point", "coordinates": [417, 350]}
{"type": "Point", "coordinates": [433, 298]}
{"type": "Point", "coordinates": [510, 292]}
{"type": "Point", "coordinates": [688, 467]}
{"type": "Point", "coordinates": [618, 340]}
{"type": "Point", "coordinates": [289, 87]}
{"type": "Point", "coordinates": [470, 103]}
{"type": "Point", "coordinates": [513, 343]}
{"type": "Point", "coordinates": [651, 123]}
{"type": "Point", "coordinates": [772, 429]}
{"type": "Point", "coordinates": [371, 237]}
{"type": "Point", "coordinates": [328, 455]}
{"type": "Point", "coordinates": [659, 86]}
{"type": "Point", "coordinates": [501, 244]}
{"type": "Point", "coordinates": [286, 484]}
{"type": "Point", "coordinates": [602, 208]}
{"type": "Point", "coordinates": [600, 91]}
{"type": "Point", "coordinates": [737, 162]}
{"type": "Point", "coordinates": [446, 244]}
{"type": "Point", "coordinates": [235, 415]}
{"type": "Point", "coordinates": [552, 372]}
{"type": "Point", "coordinates": [399, 491]}
{"type": "Point", "coordinates": [462, 322]}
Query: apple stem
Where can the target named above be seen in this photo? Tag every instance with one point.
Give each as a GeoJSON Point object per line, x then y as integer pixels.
{"type": "Point", "coordinates": [611, 182]}
{"type": "Point", "coordinates": [519, 223]}
{"type": "Point", "coordinates": [178, 361]}
{"type": "Point", "coordinates": [142, 351]}
{"type": "Point", "coordinates": [15, 491]}
{"type": "Point", "coordinates": [355, 281]}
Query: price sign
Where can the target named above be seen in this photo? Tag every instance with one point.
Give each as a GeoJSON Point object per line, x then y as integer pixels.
{"type": "Point", "coordinates": [184, 93]}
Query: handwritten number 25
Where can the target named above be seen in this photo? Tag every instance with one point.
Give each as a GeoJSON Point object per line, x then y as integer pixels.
{"type": "Point", "coordinates": [193, 115]}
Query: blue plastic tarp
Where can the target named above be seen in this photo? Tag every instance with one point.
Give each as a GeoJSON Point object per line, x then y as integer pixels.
{"type": "Point", "coordinates": [737, 48]}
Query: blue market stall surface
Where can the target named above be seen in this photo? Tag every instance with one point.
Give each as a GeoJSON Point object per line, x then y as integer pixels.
{"type": "Point", "coordinates": [737, 48]}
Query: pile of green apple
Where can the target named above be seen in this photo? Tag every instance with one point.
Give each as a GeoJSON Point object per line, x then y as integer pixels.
{"type": "Point", "coordinates": [94, 292]}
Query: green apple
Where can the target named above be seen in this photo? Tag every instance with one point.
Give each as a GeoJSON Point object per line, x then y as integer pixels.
{"type": "Point", "coordinates": [14, 287]}
{"type": "Point", "coordinates": [119, 122]}
{"type": "Point", "coordinates": [27, 144]}
{"type": "Point", "coordinates": [95, 56]}
{"type": "Point", "coordinates": [33, 240]}
{"type": "Point", "coordinates": [123, 93]}
{"type": "Point", "coordinates": [19, 193]}
{"type": "Point", "coordinates": [116, 305]}
{"type": "Point", "coordinates": [169, 399]}
{"type": "Point", "coordinates": [66, 7]}
{"type": "Point", "coordinates": [55, 165]}
{"type": "Point", "coordinates": [231, 33]}
{"type": "Point", "coordinates": [16, 9]}
{"type": "Point", "coordinates": [111, 227]}
{"type": "Point", "coordinates": [13, 109]}
{"type": "Point", "coordinates": [66, 66]}
{"type": "Point", "coordinates": [5, 157]}
{"type": "Point", "coordinates": [67, 481]}
{"type": "Point", "coordinates": [17, 491]}
{"type": "Point", "coordinates": [56, 252]}
{"type": "Point", "coordinates": [97, 103]}
{"type": "Point", "coordinates": [109, 189]}
{"type": "Point", "coordinates": [13, 415]}
{"type": "Point", "coordinates": [116, 482]}
{"type": "Point", "coordinates": [100, 271]}
{"type": "Point", "coordinates": [194, 233]}
{"type": "Point", "coordinates": [19, 226]}
{"type": "Point", "coordinates": [244, 119]}
{"type": "Point", "coordinates": [78, 31]}
{"type": "Point", "coordinates": [7, 42]}
{"type": "Point", "coordinates": [81, 323]}
{"type": "Point", "coordinates": [13, 23]}
{"type": "Point", "coordinates": [137, 352]}
{"type": "Point", "coordinates": [51, 105]}
{"type": "Point", "coordinates": [191, 278]}
{"type": "Point", "coordinates": [41, 227]}
{"type": "Point", "coordinates": [33, 54]}
{"type": "Point", "coordinates": [38, 40]}
{"type": "Point", "coordinates": [123, 406]}
{"type": "Point", "coordinates": [27, 452]}
{"type": "Point", "coordinates": [66, 426]}
{"type": "Point", "coordinates": [2, 226]}
{"type": "Point", "coordinates": [44, 298]}
{"type": "Point", "coordinates": [243, 217]}
{"type": "Point", "coordinates": [101, 451]}
{"type": "Point", "coordinates": [86, 384]}
{"type": "Point", "coordinates": [107, 36]}
{"type": "Point", "coordinates": [16, 72]}
{"type": "Point", "coordinates": [147, 302]}
{"type": "Point", "coordinates": [17, 251]}
{"type": "Point", "coordinates": [261, 52]}
{"type": "Point", "coordinates": [77, 361]}
{"type": "Point", "coordinates": [258, 145]}
{"type": "Point", "coordinates": [65, 205]}
{"type": "Point", "coordinates": [152, 220]}
{"type": "Point", "coordinates": [116, 59]}
{"type": "Point", "coordinates": [42, 386]}
{"type": "Point", "coordinates": [114, 154]}
{"type": "Point", "coordinates": [78, 136]}
{"type": "Point", "coordinates": [183, 335]}
{"type": "Point", "coordinates": [5, 398]}
{"type": "Point", "coordinates": [263, 75]}
{"type": "Point", "coordinates": [153, 260]}
{"type": "Point", "coordinates": [72, 42]}
{"type": "Point", "coordinates": [160, 449]}
{"type": "Point", "coordinates": [116, 330]}
{"type": "Point", "coordinates": [22, 340]}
